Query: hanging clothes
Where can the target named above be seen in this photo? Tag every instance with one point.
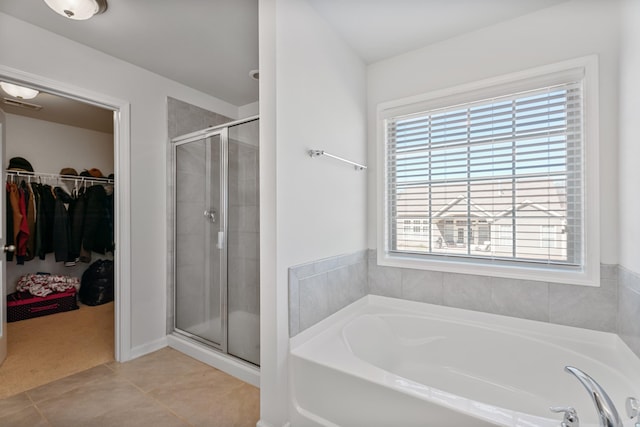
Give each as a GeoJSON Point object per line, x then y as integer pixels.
{"type": "Point", "coordinates": [61, 227]}
{"type": "Point", "coordinates": [71, 224]}
{"type": "Point", "coordinates": [20, 225]}
{"type": "Point", "coordinates": [47, 210]}
{"type": "Point", "coordinates": [38, 248]}
{"type": "Point", "coordinates": [95, 232]}
{"type": "Point", "coordinates": [30, 208]}
{"type": "Point", "coordinates": [9, 233]}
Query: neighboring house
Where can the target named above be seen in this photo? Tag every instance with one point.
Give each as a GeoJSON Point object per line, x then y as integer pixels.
{"type": "Point", "coordinates": [494, 220]}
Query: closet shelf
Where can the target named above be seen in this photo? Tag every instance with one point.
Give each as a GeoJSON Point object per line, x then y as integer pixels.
{"type": "Point", "coordinates": [78, 178]}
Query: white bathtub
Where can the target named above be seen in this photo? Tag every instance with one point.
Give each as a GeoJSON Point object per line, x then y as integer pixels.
{"type": "Point", "coordinates": [393, 363]}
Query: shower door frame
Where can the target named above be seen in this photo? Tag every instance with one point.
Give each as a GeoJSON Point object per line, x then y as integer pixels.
{"type": "Point", "coordinates": [223, 133]}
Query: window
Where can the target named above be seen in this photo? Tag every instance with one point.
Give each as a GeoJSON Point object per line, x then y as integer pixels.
{"type": "Point", "coordinates": [505, 236]}
{"type": "Point", "coordinates": [548, 237]}
{"type": "Point", "coordinates": [506, 160]}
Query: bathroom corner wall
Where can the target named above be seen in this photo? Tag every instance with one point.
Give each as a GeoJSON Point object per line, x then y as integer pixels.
{"type": "Point", "coordinates": [628, 177]}
{"type": "Point", "coordinates": [321, 288]}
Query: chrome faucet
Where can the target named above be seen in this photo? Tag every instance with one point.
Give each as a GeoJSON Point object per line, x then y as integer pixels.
{"type": "Point", "coordinates": [606, 410]}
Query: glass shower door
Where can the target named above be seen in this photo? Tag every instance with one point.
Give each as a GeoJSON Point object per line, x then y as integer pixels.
{"type": "Point", "coordinates": [200, 255]}
{"type": "Point", "coordinates": [244, 242]}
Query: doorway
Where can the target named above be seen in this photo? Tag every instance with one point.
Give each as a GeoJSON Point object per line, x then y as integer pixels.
{"type": "Point", "coordinates": [118, 114]}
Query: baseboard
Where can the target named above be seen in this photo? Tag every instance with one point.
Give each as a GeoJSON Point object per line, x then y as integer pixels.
{"type": "Point", "coordinates": [147, 348]}
{"type": "Point", "coordinates": [262, 423]}
{"type": "Point", "coordinates": [228, 364]}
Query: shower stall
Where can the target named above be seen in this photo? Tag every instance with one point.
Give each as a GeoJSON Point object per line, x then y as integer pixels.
{"type": "Point", "coordinates": [216, 238]}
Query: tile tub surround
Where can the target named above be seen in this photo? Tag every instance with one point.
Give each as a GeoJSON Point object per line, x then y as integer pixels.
{"type": "Point", "coordinates": [321, 288]}
{"type": "Point", "coordinates": [318, 289]}
{"type": "Point", "coordinates": [629, 308]}
{"type": "Point", "coordinates": [571, 305]}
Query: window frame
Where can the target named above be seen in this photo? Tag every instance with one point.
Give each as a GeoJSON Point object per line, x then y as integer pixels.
{"type": "Point", "coordinates": [588, 272]}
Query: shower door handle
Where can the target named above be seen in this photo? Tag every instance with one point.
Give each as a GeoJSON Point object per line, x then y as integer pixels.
{"type": "Point", "coordinates": [211, 215]}
{"type": "Point", "coordinates": [220, 244]}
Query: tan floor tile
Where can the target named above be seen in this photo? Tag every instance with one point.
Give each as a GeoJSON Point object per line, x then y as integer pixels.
{"type": "Point", "coordinates": [181, 392]}
{"type": "Point", "coordinates": [212, 399]}
{"type": "Point", "coordinates": [239, 408]}
{"type": "Point", "coordinates": [79, 406]}
{"type": "Point", "coordinates": [158, 368]}
{"type": "Point", "coordinates": [14, 404]}
{"type": "Point", "coordinates": [69, 383]}
{"type": "Point", "coordinates": [138, 413]}
{"type": "Point", "coordinates": [27, 417]}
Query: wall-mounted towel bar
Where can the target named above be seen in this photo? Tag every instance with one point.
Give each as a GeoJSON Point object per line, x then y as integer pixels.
{"type": "Point", "coordinates": [317, 153]}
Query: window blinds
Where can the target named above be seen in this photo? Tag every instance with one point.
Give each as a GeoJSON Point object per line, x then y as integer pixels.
{"type": "Point", "coordinates": [499, 178]}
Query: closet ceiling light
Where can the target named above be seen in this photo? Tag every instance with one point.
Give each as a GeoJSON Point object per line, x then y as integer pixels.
{"type": "Point", "coordinates": [18, 91]}
{"type": "Point", "coordinates": [77, 9]}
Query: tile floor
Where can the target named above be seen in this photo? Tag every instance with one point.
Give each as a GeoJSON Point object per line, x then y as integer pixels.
{"type": "Point", "coordinates": [164, 388]}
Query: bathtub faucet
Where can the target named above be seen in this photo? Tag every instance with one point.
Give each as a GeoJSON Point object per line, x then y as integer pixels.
{"type": "Point", "coordinates": [570, 416]}
{"type": "Point", "coordinates": [606, 410]}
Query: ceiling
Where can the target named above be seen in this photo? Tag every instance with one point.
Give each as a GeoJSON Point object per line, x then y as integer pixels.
{"type": "Point", "coordinates": [211, 45]}
{"type": "Point", "coordinates": [61, 110]}
{"type": "Point", "coordinates": [380, 29]}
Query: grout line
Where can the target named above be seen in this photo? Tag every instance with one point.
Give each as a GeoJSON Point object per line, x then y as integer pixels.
{"type": "Point", "coordinates": [35, 406]}
{"type": "Point", "coordinates": [106, 365]}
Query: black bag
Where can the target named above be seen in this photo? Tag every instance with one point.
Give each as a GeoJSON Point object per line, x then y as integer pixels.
{"type": "Point", "coordinates": [96, 285]}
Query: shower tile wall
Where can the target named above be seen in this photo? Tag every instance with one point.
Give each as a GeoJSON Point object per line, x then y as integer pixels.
{"type": "Point", "coordinates": [182, 118]}
{"type": "Point", "coordinates": [243, 250]}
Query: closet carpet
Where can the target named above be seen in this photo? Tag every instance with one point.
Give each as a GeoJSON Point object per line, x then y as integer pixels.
{"type": "Point", "coordinates": [48, 348]}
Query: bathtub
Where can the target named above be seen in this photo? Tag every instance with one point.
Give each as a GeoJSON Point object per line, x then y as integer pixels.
{"type": "Point", "coordinates": [387, 362]}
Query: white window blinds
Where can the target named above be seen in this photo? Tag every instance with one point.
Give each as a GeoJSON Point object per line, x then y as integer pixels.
{"type": "Point", "coordinates": [499, 178]}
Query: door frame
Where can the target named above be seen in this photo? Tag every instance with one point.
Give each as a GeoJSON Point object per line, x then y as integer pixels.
{"type": "Point", "coordinates": [122, 209]}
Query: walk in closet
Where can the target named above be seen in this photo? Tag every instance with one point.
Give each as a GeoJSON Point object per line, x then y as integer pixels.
{"type": "Point", "coordinates": [59, 164]}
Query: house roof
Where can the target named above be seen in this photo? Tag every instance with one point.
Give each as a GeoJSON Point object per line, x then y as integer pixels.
{"type": "Point", "coordinates": [488, 200]}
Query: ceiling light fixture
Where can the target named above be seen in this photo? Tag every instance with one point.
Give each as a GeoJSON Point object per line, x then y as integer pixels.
{"type": "Point", "coordinates": [77, 9]}
{"type": "Point", "coordinates": [19, 92]}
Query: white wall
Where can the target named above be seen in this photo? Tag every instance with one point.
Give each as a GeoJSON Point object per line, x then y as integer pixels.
{"type": "Point", "coordinates": [249, 110]}
{"type": "Point", "coordinates": [49, 146]}
{"type": "Point", "coordinates": [629, 172]}
{"type": "Point", "coordinates": [47, 55]}
{"type": "Point", "coordinates": [318, 209]}
{"type": "Point", "coordinates": [573, 29]}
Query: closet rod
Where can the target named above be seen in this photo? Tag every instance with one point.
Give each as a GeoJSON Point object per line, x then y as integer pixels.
{"type": "Point", "coordinates": [89, 179]}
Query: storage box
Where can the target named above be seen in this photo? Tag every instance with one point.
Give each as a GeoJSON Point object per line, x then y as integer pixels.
{"type": "Point", "coordinates": [23, 305]}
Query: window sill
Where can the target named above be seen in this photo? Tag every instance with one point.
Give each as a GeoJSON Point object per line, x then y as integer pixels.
{"type": "Point", "coordinates": [550, 274]}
